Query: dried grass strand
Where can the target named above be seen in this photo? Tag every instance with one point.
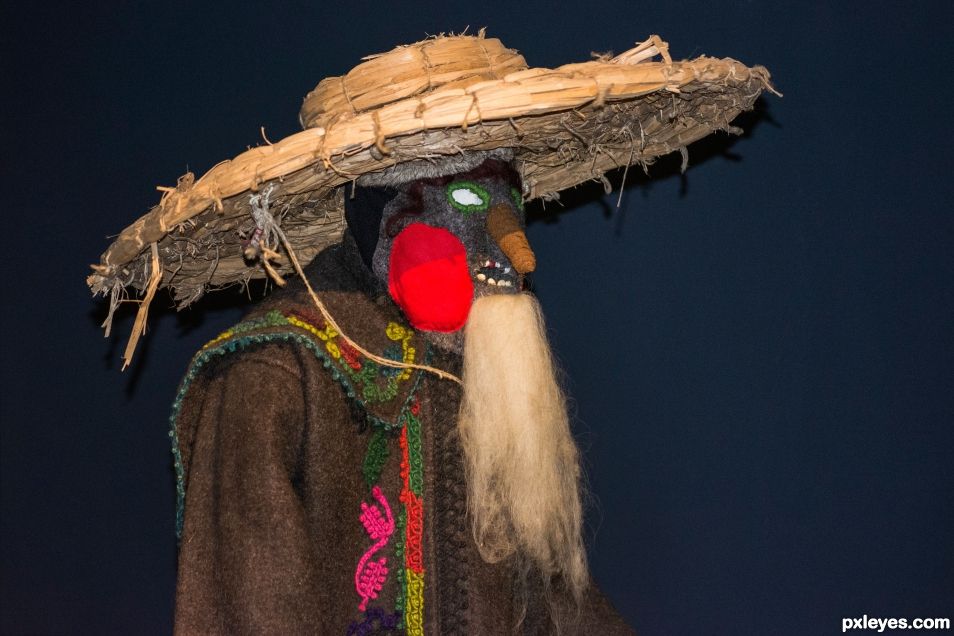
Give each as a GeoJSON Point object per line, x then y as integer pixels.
{"type": "Point", "coordinates": [139, 326]}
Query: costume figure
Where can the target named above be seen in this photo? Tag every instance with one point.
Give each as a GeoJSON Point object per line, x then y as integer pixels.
{"type": "Point", "coordinates": [382, 447]}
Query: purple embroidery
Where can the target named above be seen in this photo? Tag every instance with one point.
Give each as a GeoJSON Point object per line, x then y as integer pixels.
{"type": "Point", "coordinates": [376, 622]}
{"type": "Point", "coordinates": [369, 575]}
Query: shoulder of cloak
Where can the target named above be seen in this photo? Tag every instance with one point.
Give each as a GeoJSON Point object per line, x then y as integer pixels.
{"type": "Point", "coordinates": [380, 393]}
{"type": "Point", "coordinates": [380, 397]}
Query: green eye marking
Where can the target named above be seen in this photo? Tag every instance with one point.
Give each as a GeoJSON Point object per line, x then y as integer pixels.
{"type": "Point", "coordinates": [468, 197]}
{"type": "Point", "coordinates": [517, 198]}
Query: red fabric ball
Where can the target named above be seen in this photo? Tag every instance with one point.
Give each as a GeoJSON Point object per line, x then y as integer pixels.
{"type": "Point", "coordinates": [429, 279]}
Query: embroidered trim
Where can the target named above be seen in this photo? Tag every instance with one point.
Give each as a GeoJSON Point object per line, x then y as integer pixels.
{"type": "Point", "coordinates": [415, 510]}
{"type": "Point", "coordinates": [375, 458]}
{"type": "Point", "coordinates": [241, 336]}
{"type": "Point", "coordinates": [376, 622]}
{"type": "Point", "coordinates": [408, 549]}
{"type": "Point", "coordinates": [369, 575]}
{"type": "Point", "coordinates": [271, 319]}
{"type": "Point", "coordinates": [399, 559]}
{"type": "Point", "coordinates": [412, 475]}
{"type": "Point", "coordinates": [351, 365]}
{"type": "Point", "coordinates": [361, 371]}
{"type": "Point", "coordinates": [414, 619]}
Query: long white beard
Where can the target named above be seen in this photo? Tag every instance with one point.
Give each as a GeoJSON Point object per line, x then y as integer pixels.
{"type": "Point", "coordinates": [523, 472]}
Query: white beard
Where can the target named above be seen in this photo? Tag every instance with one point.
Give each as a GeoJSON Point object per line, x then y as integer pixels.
{"type": "Point", "coordinates": [522, 465]}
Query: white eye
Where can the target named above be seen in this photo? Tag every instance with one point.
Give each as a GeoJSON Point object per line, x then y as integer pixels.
{"type": "Point", "coordinates": [468, 197]}
{"type": "Point", "coordinates": [465, 196]}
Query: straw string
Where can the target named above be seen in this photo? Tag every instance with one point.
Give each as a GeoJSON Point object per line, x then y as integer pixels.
{"type": "Point", "coordinates": [427, 66]}
{"type": "Point", "coordinates": [344, 91]}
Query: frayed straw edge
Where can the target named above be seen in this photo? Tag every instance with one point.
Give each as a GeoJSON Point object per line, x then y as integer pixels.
{"type": "Point", "coordinates": [139, 327]}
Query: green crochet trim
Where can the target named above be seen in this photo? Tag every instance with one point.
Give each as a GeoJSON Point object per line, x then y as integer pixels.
{"type": "Point", "coordinates": [375, 458]}
{"type": "Point", "coordinates": [415, 454]}
{"type": "Point", "coordinates": [400, 531]}
{"type": "Point", "coordinates": [363, 373]}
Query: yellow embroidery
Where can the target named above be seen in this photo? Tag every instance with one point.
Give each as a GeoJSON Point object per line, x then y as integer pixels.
{"type": "Point", "coordinates": [325, 334]}
{"type": "Point", "coordinates": [361, 371]}
{"type": "Point", "coordinates": [414, 603]}
{"type": "Point", "coordinates": [395, 331]}
{"type": "Point", "coordinates": [225, 335]}
{"type": "Point", "coordinates": [399, 332]}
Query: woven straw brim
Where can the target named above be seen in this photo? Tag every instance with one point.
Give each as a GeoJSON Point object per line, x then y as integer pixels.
{"type": "Point", "coordinates": [566, 125]}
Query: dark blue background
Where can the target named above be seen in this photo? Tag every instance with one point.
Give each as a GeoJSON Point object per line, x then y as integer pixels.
{"type": "Point", "coordinates": [760, 352]}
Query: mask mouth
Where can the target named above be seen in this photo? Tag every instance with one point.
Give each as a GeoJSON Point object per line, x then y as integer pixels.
{"type": "Point", "coordinates": [495, 274]}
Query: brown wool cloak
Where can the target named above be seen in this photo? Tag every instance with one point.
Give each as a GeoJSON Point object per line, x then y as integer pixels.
{"type": "Point", "coordinates": [272, 456]}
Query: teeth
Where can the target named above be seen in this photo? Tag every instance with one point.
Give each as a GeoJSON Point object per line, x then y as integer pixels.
{"type": "Point", "coordinates": [504, 283]}
{"type": "Point", "coordinates": [506, 270]}
{"type": "Point", "coordinates": [491, 281]}
{"type": "Point", "coordinates": [481, 276]}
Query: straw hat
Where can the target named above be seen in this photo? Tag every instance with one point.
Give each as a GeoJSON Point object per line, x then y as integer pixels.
{"type": "Point", "coordinates": [436, 98]}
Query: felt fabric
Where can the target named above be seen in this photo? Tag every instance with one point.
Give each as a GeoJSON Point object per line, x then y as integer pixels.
{"type": "Point", "coordinates": [415, 169]}
{"type": "Point", "coordinates": [273, 451]}
{"type": "Point", "coordinates": [458, 203]}
{"type": "Point", "coordinates": [429, 278]}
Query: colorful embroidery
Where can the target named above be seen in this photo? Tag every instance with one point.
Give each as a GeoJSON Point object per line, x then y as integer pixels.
{"type": "Point", "coordinates": [369, 575]}
{"type": "Point", "coordinates": [362, 372]}
{"type": "Point", "coordinates": [271, 319]}
{"type": "Point", "coordinates": [366, 383]}
{"type": "Point", "coordinates": [399, 559]}
{"type": "Point", "coordinates": [358, 383]}
{"type": "Point", "coordinates": [414, 618]}
{"type": "Point", "coordinates": [376, 622]}
{"type": "Point", "coordinates": [409, 525]}
{"type": "Point", "coordinates": [412, 475]}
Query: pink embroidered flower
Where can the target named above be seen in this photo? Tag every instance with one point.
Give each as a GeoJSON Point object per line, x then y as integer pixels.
{"type": "Point", "coordinates": [370, 575]}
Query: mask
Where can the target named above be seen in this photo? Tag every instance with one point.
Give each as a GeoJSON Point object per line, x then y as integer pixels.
{"type": "Point", "coordinates": [445, 241]}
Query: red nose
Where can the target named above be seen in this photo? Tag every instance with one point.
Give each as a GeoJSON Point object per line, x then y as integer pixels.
{"type": "Point", "coordinates": [429, 279]}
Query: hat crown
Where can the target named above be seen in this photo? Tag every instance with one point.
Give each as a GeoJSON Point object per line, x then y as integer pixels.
{"type": "Point", "coordinates": [441, 62]}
